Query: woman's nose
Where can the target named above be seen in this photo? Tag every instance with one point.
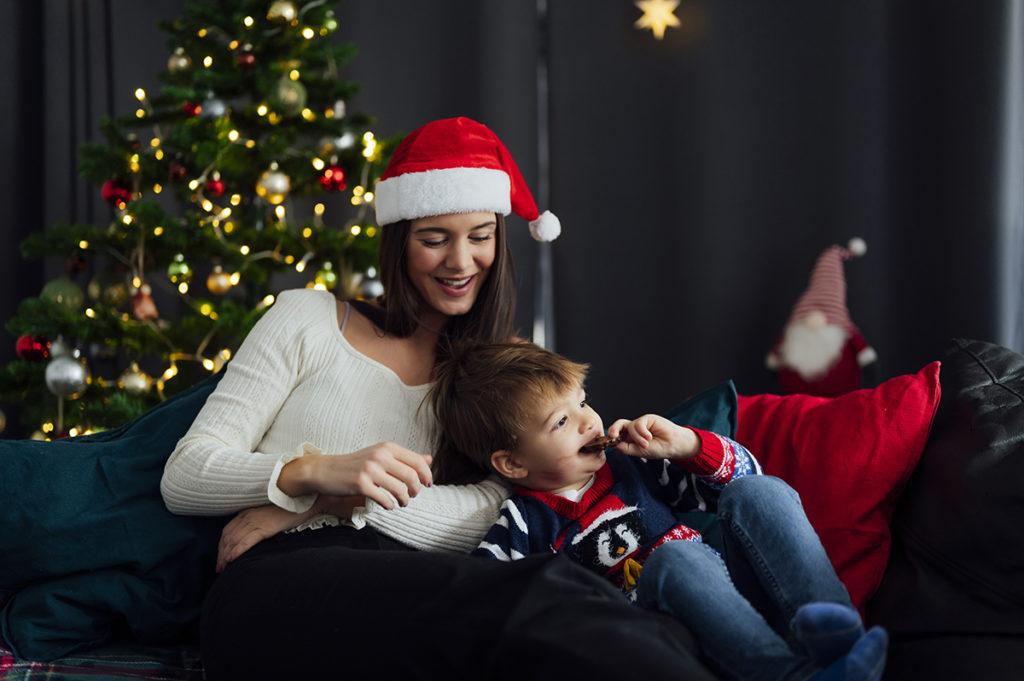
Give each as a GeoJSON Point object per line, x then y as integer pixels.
{"type": "Point", "coordinates": [459, 258]}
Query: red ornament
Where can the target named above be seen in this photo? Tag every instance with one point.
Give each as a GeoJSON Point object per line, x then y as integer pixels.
{"type": "Point", "coordinates": [75, 265]}
{"type": "Point", "coordinates": [191, 109]}
{"type": "Point", "coordinates": [116, 193]}
{"type": "Point", "coordinates": [333, 179]}
{"type": "Point", "coordinates": [32, 348]}
{"type": "Point", "coordinates": [177, 171]}
{"type": "Point", "coordinates": [215, 188]}
{"type": "Point", "coordinates": [143, 306]}
{"type": "Point", "coordinates": [246, 59]}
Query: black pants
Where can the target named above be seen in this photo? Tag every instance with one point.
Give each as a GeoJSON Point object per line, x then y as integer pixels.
{"type": "Point", "coordinates": [354, 604]}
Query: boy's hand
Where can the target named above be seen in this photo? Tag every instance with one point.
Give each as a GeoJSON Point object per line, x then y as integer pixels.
{"type": "Point", "coordinates": [654, 437]}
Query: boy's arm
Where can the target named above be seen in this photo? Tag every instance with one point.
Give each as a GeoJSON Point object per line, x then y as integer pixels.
{"type": "Point", "coordinates": [509, 538]}
{"type": "Point", "coordinates": [694, 483]}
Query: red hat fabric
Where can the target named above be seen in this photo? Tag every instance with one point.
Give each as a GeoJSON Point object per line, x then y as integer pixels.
{"type": "Point", "coordinates": [826, 291]}
{"type": "Point", "coordinates": [457, 165]}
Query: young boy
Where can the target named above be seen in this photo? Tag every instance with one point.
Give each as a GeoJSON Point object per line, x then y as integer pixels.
{"type": "Point", "coordinates": [520, 411]}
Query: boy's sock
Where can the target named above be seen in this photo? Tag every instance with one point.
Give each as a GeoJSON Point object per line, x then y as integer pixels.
{"type": "Point", "coordinates": [826, 630]}
{"type": "Point", "coordinates": [864, 662]}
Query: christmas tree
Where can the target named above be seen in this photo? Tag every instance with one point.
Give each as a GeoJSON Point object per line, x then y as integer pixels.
{"type": "Point", "coordinates": [216, 184]}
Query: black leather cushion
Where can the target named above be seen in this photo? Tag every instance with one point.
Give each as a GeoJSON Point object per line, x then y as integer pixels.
{"type": "Point", "coordinates": [953, 593]}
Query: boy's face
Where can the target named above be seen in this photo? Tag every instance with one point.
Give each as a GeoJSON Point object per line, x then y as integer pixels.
{"type": "Point", "coordinates": [548, 456]}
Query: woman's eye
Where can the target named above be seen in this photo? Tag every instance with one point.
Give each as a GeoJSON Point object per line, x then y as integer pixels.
{"type": "Point", "coordinates": [480, 239]}
{"type": "Point", "coordinates": [432, 243]}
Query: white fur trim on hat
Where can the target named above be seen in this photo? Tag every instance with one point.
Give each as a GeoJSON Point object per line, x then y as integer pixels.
{"type": "Point", "coordinates": [547, 227]}
{"type": "Point", "coordinates": [440, 192]}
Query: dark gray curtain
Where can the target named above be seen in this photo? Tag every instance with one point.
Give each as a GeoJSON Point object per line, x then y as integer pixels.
{"type": "Point", "coordinates": [697, 178]}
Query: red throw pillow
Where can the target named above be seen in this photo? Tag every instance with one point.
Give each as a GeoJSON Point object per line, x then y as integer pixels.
{"type": "Point", "coordinates": [848, 457]}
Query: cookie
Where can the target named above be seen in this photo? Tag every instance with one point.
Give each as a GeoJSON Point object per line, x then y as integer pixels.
{"type": "Point", "coordinates": [600, 444]}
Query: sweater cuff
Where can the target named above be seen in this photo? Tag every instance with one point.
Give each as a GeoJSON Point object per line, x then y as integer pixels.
{"type": "Point", "coordinates": [709, 459]}
{"type": "Point", "coordinates": [279, 498]}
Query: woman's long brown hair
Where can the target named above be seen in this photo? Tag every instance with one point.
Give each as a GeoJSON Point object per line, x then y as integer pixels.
{"type": "Point", "coordinates": [490, 320]}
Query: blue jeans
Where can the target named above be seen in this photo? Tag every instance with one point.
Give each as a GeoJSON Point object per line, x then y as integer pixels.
{"type": "Point", "coordinates": [739, 609]}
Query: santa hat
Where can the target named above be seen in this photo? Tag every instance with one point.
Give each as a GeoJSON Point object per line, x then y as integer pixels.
{"type": "Point", "coordinates": [826, 291]}
{"type": "Point", "coordinates": [457, 165]}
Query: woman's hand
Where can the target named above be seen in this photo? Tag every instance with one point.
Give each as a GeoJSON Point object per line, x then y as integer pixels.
{"type": "Point", "coordinates": [654, 437]}
{"type": "Point", "coordinates": [378, 472]}
{"type": "Point", "coordinates": [253, 525]}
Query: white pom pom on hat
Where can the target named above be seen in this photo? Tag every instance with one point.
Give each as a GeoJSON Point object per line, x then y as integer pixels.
{"type": "Point", "coordinates": [457, 165]}
{"type": "Point", "coordinates": [857, 247]}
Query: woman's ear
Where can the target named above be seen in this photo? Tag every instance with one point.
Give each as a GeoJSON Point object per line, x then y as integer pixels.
{"type": "Point", "coordinates": [507, 465]}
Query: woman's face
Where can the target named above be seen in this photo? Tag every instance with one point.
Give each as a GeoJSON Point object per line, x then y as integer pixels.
{"type": "Point", "coordinates": [448, 258]}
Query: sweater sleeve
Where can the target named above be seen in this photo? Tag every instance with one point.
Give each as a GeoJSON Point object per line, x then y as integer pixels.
{"type": "Point", "coordinates": [694, 484]}
{"type": "Point", "coordinates": [451, 518]}
{"type": "Point", "coordinates": [214, 469]}
{"type": "Point", "coordinates": [509, 538]}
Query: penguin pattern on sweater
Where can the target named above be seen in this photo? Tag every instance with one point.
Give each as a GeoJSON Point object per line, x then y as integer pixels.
{"type": "Point", "coordinates": [627, 512]}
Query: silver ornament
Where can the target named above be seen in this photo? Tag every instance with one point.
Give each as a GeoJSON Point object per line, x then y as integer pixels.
{"type": "Point", "coordinates": [274, 185]}
{"type": "Point", "coordinates": [135, 380]}
{"type": "Point", "coordinates": [59, 347]}
{"type": "Point", "coordinates": [213, 108]}
{"type": "Point", "coordinates": [339, 108]}
{"type": "Point", "coordinates": [67, 376]}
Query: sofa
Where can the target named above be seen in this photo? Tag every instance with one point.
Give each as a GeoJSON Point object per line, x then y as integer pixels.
{"type": "Point", "coordinates": [951, 591]}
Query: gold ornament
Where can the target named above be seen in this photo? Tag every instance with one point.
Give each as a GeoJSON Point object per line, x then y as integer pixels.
{"type": "Point", "coordinates": [219, 281]}
{"type": "Point", "coordinates": [179, 61]}
{"type": "Point", "coordinates": [135, 380]}
{"type": "Point", "coordinates": [115, 294]}
{"type": "Point", "coordinates": [658, 15]}
{"type": "Point", "coordinates": [283, 10]}
{"type": "Point", "coordinates": [289, 96]}
{"type": "Point", "coordinates": [273, 185]}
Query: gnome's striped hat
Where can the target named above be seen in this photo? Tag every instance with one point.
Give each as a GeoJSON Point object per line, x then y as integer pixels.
{"type": "Point", "coordinates": [826, 291]}
{"type": "Point", "coordinates": [457, 165]}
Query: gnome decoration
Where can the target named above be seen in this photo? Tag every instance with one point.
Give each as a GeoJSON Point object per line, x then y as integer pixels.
{"type": "Point", "coordinates": [821, 351]}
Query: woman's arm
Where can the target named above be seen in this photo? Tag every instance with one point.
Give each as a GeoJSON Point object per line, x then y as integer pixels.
{"type": "Point", "coordinates": [214, 469]}
{"type": "Point", "coordinates": [451, 518]}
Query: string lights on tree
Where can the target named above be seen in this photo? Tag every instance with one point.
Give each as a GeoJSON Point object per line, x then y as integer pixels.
{"type": "Point", "coordinates": [246, 167]}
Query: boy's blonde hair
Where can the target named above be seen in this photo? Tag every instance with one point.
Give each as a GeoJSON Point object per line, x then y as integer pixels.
{"type": "Point", "coordinates": [485, 395]}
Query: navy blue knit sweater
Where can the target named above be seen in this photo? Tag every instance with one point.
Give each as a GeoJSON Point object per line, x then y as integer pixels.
{"type": "Point", "coordinates": [627, 512]}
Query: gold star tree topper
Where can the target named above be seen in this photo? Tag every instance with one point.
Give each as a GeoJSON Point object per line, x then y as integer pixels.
{"type": "Point", "coordinates": [658, 15]}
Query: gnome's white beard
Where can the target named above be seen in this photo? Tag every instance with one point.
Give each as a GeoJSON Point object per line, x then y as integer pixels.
{"type": "Point", "coordinates": [811, 350]}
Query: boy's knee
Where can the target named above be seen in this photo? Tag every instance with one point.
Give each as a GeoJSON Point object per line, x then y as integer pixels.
{"type": "Point", "coordinates": [759, 493]}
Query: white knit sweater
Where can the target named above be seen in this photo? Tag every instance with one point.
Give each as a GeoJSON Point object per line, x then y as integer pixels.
{"type": "Point", "coordinates": [296, 385]}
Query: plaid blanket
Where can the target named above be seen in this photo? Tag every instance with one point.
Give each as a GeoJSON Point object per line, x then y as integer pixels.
{"type": "Point", "coordinates": [114, 662]}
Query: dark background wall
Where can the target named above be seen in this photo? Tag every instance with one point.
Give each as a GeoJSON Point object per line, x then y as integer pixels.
{"type": "Point", "coordinates": [697, 178]}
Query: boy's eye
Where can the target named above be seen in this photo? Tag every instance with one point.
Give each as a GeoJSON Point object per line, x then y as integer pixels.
{"type": "Point", "coordinates": [561, 422]}
{"type": "Point", "coordinates": [583, 404]}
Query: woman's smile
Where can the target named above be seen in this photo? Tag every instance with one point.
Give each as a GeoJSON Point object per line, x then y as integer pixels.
{"type": "Point", "coordinates": [456, 287]}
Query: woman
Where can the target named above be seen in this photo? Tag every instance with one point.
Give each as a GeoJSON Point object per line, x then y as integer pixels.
{"type": "Point", "coordinates": [317, 378]}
